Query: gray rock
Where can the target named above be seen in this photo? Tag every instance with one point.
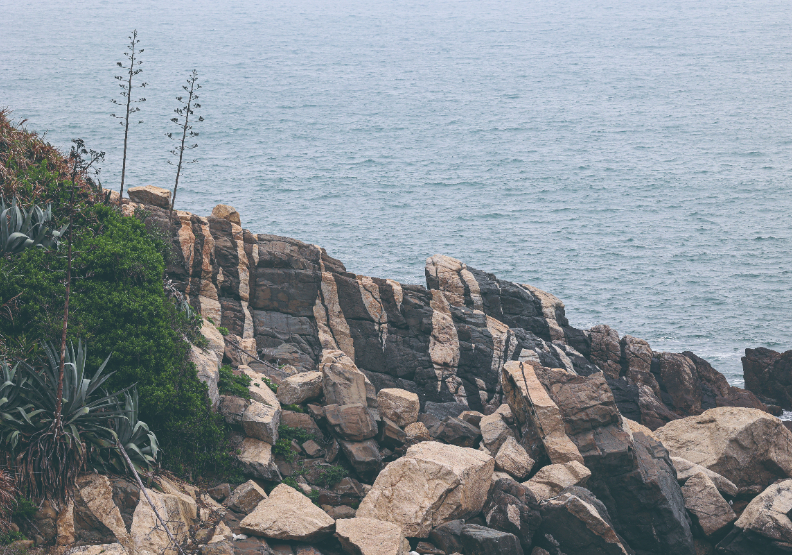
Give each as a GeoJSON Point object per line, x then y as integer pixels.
{"type": "Point", "coordinates": [352, 422]}
{"type": "Point", "coordinates": [480, 540]}
{"type": "Point", "coordinates": [457, 432]}
{"type": "Point", "coordinates": [246, 497]}
{"type": "Point", "coordinates": [494, 431]}
{"type": "Point", "coordinates": [711, 511]}
{"type": "Point", "coordinates": [232, 408]}
{"type": "Point", "coordinates": [511, 507]}
{"type": "Point", "coordinates": [219, 492]}
{"type": "Point", "coordinates": [261, 422]}
{"type": "Point", "coordinates": [364, 456]}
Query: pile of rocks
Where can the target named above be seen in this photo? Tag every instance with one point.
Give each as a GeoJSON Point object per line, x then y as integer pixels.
{"type": "Point", "coordinates": [467, 417]}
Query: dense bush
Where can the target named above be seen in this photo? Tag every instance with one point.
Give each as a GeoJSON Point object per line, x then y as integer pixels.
{"type": "Point", "coordinates": [229, 384]}
{"type": "Point", "coordinates": [118, 305]}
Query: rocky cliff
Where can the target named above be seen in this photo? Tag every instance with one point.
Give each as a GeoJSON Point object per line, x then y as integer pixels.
{"type": "Point", "coordinates": [468, 415]}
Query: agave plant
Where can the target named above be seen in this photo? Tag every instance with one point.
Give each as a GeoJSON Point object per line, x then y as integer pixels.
{"type": "Point", "coordinates": [139, 442]}
{"type": "Point", "coordinates": [21, 229]}
{"type": "Point", "coordinates": [14, 412]}
{"type": "Point", "coordinates": [52, 452]}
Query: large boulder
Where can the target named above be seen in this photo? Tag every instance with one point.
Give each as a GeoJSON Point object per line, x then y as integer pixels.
{"type": "Point", "coordinates": [511, 507]}
{"type": "Point", "coordinates": [432, 484]}
{"type": "Point", "coordinates": [255, 458]}
{"type": "Point", "coordinates": [261, 421]}
{"type": "Point", "coordinates": [245, 497]}
{"type": "Point", "coordinates": [300, 388]}
{"type": "Point", "coordinates": [764, 526]}
{"type": "Point", "coordinates": [352, 422]}
{"type": "Point", "coordinates": [148, 535]}
{"type": "Point", "coordinates": [606, 350]}
{"type": "Point", "coordinates": [398, 405]}
{"type": "Point", "coordinates": [747, 446]}
{"type": "Point", "coordinates": [96, 491]}
{"type": "Point", "coordinates": [342, 382]}
{"type": "Point", "coordinates": [513, 459]}
{"type": "Point", "coordinates": [154, 196]}
{"type": "Point", "coordinates": [494, 431]}
{"type": "Point", "coordinates": [537, 415]}
{"type": "Point", "coordinates": [686, 469]}
{"type": "Point", "coordinates": [576, 522]}
{"type": "Point", "coordinates": [631, 472]}
{"type": "Point", "coordinates": [710, 511]}
{"type": "Point", "coordinates": [288, 515]}
{"type": "Point", "coordinates": [226, 212]}
{"type": "Point", "coordinates": [368, 536]}
{"type": "Point", "coordinates": [553, 479]}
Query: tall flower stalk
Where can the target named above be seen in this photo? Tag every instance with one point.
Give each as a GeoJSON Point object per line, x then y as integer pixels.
{"type": "Point", "coordinates": [182, 119]}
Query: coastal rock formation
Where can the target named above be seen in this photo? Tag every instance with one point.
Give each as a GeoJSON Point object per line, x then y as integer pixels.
{"type": "Point", "coordinates": [764, 526]}
{"type": "Point", "coordinates": [769, 373]}
{"type": "Point", "coordinates": [288, 515]}
{"type": "Point", "coordinates": [432, 484]}
{"type": "Point", "coordinates": [747, 446]}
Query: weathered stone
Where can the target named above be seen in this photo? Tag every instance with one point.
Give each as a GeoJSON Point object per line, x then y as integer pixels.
{"type": "Point", "coordinates": [764, 526]}
{"type": "Point", "coordinates": [352, 422]}
{"type": "Point", "coordinates": [147, 533]}
{"type": "Point", "coordinates": [390, 434]}
{"type": "Point", "coordinates": [364, 456]}
{"type": "Point", "coordinates": [237, 349]}
{"type": "Point", "coordinates": [534, 410]}
{"type": "Point", "coordinates": [417, 432]}
{"type": "Point", "coordinates": [654, 413]}
{"type": "Point", "coordinates": [630, 471]}
{"type": "Point", "coordinates": [511, 507]}
{"type": "Point", "coordinates": [149, 194]}
{"type": "Point", "coordinates": [494, 431]}
{"type": "Point", "coordinates": [104, 549]}
{"type": "Point", "coordinates": [457, 432]}
{"type": "Point", "coordinates": [97, 493]}
{"type": "Point", "coordinates": [339, 512]}
{"type": "Point", "coordinates": [368, 536]}
{"type": "Point", "coordinates": [398, 405]}
{"type": "Point", "coordinates": [432, 484]}
{"type": "Point", "coordinates": [255, 457]}
{"type": "Point", "coordinates": [226, 212]}
{"type": "Point", "coordinates": [219, 492]}
{"type": "Point", "coordinates": [711, 511]}
{"type": "Point", "coordinates": [605, 350]}
{"type": "Point", "coordinates": [246, 497]}
{"type": "Point", "coordinates": [214, 338]}
{"type": "Point", "coordinates": [685, 469]}
{"type": "Point", "coordinates": [767, 373]}
{"type": "Point", "coordinates": [300, 388]}
{"type": "Point", "coordinates": [232, 408]}
{"type": "Point", "coordinates": [208, 368]}
{"type": "Point", "coordinates": [747, 446]}
{"type": "Point", "coordinates": [288, 515]}
{"type": "Point", "coordinates": [343, 383]}
{"type": "Point", "coordinates": [261, 422]}
{"type": "Point", "coordinates": [480, 540]}
{"type": "Point", "coordinates": [472, 417]}
{"type": "Point", "coordinates": [258, 388]}
{"type": "Point", "coordinates": [637, 362]}
{"type": "Point", "coordinates": [513, 458]}
{"type": "Point", "coordinates": [553, 479]}
{"type": "Point", "coordinates": [313, 449]}
{"type": "Point", "coordinates": [301, 420]}
{"type": "Point", "coordinates": [577, 522]}
{"type": "Point", "coordinates": [448, 536]}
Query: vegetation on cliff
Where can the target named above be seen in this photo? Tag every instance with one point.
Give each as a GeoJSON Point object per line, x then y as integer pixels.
{"type": "Point", "coordinates": [118, 303]}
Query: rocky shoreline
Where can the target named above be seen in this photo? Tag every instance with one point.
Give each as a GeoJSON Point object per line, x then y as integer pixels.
{"type": "Point", "coordinates": [468, 416]}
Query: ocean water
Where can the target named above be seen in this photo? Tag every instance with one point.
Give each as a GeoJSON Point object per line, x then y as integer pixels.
{"type": "Point", "coordinates": [632, 158]}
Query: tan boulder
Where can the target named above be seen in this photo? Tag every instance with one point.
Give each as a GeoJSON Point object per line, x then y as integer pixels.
{"type": "Point", "coordinates": [431, 484]}
{"type": "Point", "coordinates": [255, 457]}
{"type": "Point", "coordinates": [300, 388]}
{"type": "Point", "coordinates": [103, 549]}
{"type": "Point", "coordinates": [417, 432]}
{"type": "Point", "coordinates": [261, 422]}
{"type": "Point", "coordinates": [258, 388]}
{"type": "Point", "coordinates": [767, 514]}
{"type": "Point", "coordinates": [685, 469]}
{"type": "Point", "coordinates": [351, 422]}
{"type": "Point", "coordinates": [494, 431]}
{"type": "Point", "coordinates": [513, 459]}
{"type": "Point", "coordinates": [553, 479]}
{"type": "Point", "coordinates": [368, 536]}
{"type": "Point", "coordinates": [149, 194]}
{"type": "Point", "coordinates": [208, 368]}
{"type": "Point", "coordinates": [288, 515]}
{"type": "Point", "coordinates": [215, 339]}
{"type": "Point", "coordinates": [147, 532]}
{"type": "Point", "coordinates": [399, 405]}
{"type": "Point", "coordinates": [226, 212]}
{"type": "Point", "coordinates": [246, 497]}
{"type": "Point", "coordinates": [236, 349]}
{"type": "Point", "coordinates": [534, 410]}
{"type": "Point", "coordinates": [343, 383]}
{"type": "Point", "coordinates": [747, 446]}
{"type": "Point", "coordinates": [97, 492]}
{"type": "Point", "coordinates": [702, 500]}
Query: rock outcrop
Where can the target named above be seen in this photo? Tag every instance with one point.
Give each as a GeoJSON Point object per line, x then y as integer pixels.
{"type": "Point", "coordinates": [288, 515]}
{"type": "Point", "coordinates": [769, 374]}
{"type": "Point", "coordinates": [747, 446]}
{"type": "Point", "coordinates": [432, 484]}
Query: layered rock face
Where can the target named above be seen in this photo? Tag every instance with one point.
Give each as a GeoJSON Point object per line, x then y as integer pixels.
{"type": "Point", "coordinates": [468, 416]}
{"type": "Point", "coordinates": [769, 374]}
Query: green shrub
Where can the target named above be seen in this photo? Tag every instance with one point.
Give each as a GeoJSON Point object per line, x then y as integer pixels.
{"type": "Point", "coordinates": [328, 477]}
{"type": "Point", "coordinates": [229, 384]}
{"type": "Point", "coordinates": [24, 509]}
{"type": "Point", "coordinates": [283, 448]}
{"type": "Point", "coordinates": [289, 433]}
{"type": "Point", "coordinates": [223, 331]}
{"type": "Point", "coordinates": [10, 537]}
{"type": "Point", "coordinates": [291, 482]}
{"type": "Point", "coordinates": [272, 385]}
{"type": "Point", "coordinates": [293, 408]}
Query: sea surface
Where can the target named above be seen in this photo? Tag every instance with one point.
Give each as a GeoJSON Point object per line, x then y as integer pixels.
{"type": "Point", "coordinates": [632, 158]}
